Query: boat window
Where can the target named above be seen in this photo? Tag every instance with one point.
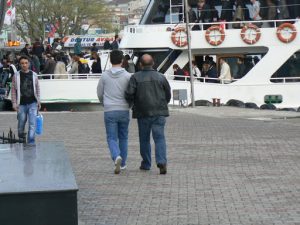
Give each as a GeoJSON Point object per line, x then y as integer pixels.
{"type": "Point", "coordinates": [158, 56]}
{"type": "Point", "coordinates": [169, 60]}
{"type": "Point", "coordinates": [289, 71]}
{"type": "Point", "coordinates": [161, 12]}
{"type": "Point", "coordinates": [239, 64]}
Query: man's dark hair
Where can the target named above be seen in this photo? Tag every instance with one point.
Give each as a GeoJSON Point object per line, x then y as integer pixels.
{"type": "Point", "coordinates": [116, 57]}
{"type": "Point", "coordinates": [94, 44]}
{"type": "Point", "coordinates": [24, 57]}
{"type": "Point", "coordinates": [116, 36]}
{"type": "Point", "coordinates": [26, 45]}
{"type": "Point", "coordinates": [241, 59]}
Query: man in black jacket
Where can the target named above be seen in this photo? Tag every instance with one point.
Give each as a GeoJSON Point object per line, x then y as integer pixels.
{"type": "Point", "coordinates": [149, 92]}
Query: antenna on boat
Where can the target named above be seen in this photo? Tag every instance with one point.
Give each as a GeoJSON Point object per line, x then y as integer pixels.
{"type": "Point", "coordinates": [188, 31]}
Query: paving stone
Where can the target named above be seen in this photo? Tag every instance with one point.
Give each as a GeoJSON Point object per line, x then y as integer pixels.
{"type": "Point", "coordinates": [221, 170]}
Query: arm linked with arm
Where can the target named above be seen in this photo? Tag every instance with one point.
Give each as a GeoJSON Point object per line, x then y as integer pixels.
{"type": "Point", "coordinates": [130, 92]}
{"type": "Point", "coordinates": [100, 90]}
{"type": "Point", "coordinates": [167, 89]}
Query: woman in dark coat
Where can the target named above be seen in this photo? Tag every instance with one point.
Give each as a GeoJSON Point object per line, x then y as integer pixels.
{"type": "Point", "coordinates": [96, 66]}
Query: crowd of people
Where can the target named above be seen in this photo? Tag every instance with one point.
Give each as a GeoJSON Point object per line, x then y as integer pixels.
{"type": "Point", "coordinates": [54, 60]}
{"type": "Point", "coordinates": [210, 11]}
{"type": "Point", "coordinates": [237, 10]}
{"type": "Point", "coordinates": [209, 72]}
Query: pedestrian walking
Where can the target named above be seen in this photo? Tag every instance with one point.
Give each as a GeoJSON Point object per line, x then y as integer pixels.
{"type": "Point", "coordinates": [25, 97]}
{"type": "Point", "coordinates": [149, 94]}
{"type": "Point", "coordinates": [111, 92]}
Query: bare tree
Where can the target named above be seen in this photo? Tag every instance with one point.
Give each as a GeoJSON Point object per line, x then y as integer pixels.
{"type": "Point", "coordinates": [67, 16]}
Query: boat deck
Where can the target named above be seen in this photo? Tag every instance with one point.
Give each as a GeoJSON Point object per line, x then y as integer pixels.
{"type": "Point", "coordinates": [224, 168]}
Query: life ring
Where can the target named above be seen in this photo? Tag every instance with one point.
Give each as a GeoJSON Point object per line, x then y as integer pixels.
{"type": "Point", "coordinates": [178, 39]}
{"type": "Point", "coordinates": [246, 37]}
{"type": "Point", "coordinates": [289, 29]}
{"type": "Point", "coordinates": [221, 35]}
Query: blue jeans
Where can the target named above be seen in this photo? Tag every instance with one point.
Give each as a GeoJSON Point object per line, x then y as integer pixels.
{"type": "Point", "coordinates": [155, 124]}
{"type": "Point", "coordinates": [116, 124]}
{"type": "Point", "coordinates": [27, 112]}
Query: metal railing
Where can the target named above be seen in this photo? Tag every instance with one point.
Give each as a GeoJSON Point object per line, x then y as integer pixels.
{"type": "Point", "coordinates": [203, 26]}
{"type": "Point", "coordinates": [285, 79]}
{"type": "Point", "coordinates": [11, 138]}
{"type": "Point", "coordinates": [89, 76]}
{"type": "Point", "coordinates": [223, 81]}
{"type": "Point", "coordinates": [200, 79]}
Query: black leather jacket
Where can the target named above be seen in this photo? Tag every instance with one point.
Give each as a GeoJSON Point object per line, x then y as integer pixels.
{"type": "Point", "coordinates": [149, 93]}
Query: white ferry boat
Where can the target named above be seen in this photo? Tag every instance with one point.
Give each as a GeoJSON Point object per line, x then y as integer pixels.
{"type": "Point", "coordinates": [274, 46]}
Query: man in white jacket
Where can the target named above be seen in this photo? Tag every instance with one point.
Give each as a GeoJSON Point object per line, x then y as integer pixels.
{"type": "Point", "coordinates": [225, 75]}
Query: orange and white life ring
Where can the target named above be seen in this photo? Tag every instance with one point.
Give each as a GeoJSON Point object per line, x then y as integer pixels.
{"type": "Point", "coordinates": [286, 32]}
{"type": "Point", "coordinates": [215, 35]}
{"type": "Point", "coordinates": [179, 37]}
{"type": "Point", "coordinates": [250, 34]}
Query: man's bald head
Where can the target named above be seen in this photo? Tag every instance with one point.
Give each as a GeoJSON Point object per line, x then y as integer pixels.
{"type": "Point", "coordinates": [147, 60]}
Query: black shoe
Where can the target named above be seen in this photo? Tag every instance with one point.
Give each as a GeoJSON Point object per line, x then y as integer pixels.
{"type": "Point", "coordinates": [143, 168]}
{"type": "Point", "coordinates": [162, 168]}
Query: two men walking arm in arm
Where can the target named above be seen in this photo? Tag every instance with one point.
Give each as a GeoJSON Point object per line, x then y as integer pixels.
{"type": "Point", "coordinates": [148, 92]}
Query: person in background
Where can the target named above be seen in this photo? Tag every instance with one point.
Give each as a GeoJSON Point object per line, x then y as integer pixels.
{"type": "Point", "coordinates": [12, 69]}
{"type": "Point", "coordinates": [196, 71]}
{"type": "Point", "coordinates": [241, 68]}
{"type": "Point", "coordinates": [48, 48]}
{"type": "Point", "coordinates": [128, 64]}
{"type": "Point", "coordinates": [111, 92]}
{"type": "Point", "coordinates": [94, 48]}
{"type": "Point", "coordinates": [74, 65]}
{"type": "Point", "coordinates": [25, 98]}
{"type": "Point", "coordinates": [107, 45]}
{"type": "Point", "coordinates": [96, 66]}
{"type": "Point", "coordinates": [49, 66]}
{"type": "Point", "coordinates": [225, 74]}
{"type": "Point", "coordinates": [60, 69]}
{"type": "Point", "coordinates": [256, 60]}
{"type": "Point", "coordinates": [149, 92]}
{"type": "Point", "coordinates": [116, 42]}
{"type": "Point", "coordinates": [211, 72]}
{"type": "Point", "coordinates": [35, 63]}
{"type": "Point", "coordinates": [282, 9]}
{"type": "Point", "coordinates": [271, 11]}
{"type": "Point", "coordinates": [227, 10]}
{"type": "Point", "coordinates": [38, 50]}
{"type": "Point", "coordinates": [77, 47]}
{"type": "Point", "coordinates": [239, 14]}
{"type": "Point", "coordinates": [204, 13]}
{"type": "Point", "coordinates": [192, 15]}
{"type": "Point", "coordinates": [256, 12]}
{"type": "Point", "coordinates": [25, 50]}
{"type": "Point", "coordinates": [178, 72]}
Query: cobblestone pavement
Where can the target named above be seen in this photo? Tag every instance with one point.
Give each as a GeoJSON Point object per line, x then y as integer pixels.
{"type": "Point", "coordinates": [221, 171]}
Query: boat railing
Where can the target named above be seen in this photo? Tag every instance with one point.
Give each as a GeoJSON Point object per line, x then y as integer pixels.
{"type": "Point", "coordinates": [203, 26]}
{"type": "Point", "coordinates": [89, 76]}
{"type": "Point", "coordinates": [271, 23]}
{"type": "Point", "coordinates": [201, 79]}
{"type": "Point", "coordinates": [285, 79]}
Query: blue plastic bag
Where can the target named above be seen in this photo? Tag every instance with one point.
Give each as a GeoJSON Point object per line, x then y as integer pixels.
{"type": "Point", "coordinates": [39, 124]}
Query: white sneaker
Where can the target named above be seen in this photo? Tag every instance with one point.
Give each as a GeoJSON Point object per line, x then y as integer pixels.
{"type": "Point", "coordinates": [123, 167]}
{"type": "Point", "coordinates": [118, 162]}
